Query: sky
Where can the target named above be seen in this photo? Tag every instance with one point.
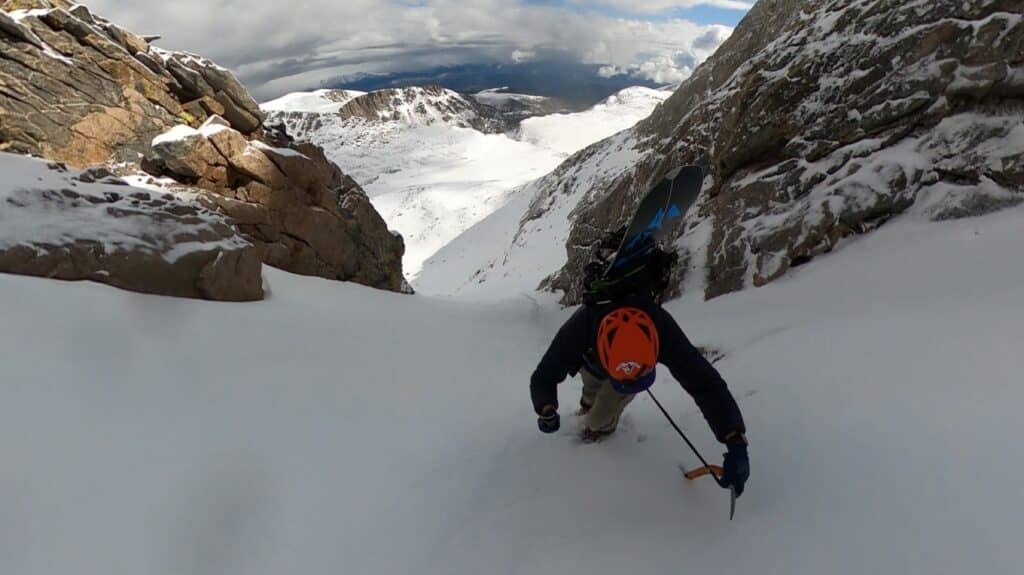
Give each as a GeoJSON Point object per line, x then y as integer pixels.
{"type": "Point", "coordinates": [277, 47]}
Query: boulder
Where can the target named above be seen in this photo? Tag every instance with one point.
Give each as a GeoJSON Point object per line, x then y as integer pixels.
{"type": "Point", "coordinates": [306, 216]}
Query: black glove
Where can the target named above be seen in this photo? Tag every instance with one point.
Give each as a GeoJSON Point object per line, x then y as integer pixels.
{"type": "Point", "coordinates": [549, 422]}
{"type": "Point", "coordinates": [736, 467]}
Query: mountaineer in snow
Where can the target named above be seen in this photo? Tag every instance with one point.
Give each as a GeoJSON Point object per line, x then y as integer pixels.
{"type": "Point", "coordinates": [614, 346]}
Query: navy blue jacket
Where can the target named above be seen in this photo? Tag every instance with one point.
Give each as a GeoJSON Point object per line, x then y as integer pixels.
{"type": "Point", "coordinates": [573, 349]}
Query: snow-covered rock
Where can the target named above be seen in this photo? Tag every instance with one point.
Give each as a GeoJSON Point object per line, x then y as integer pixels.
{"type": "Point", "coordinates": [64, 224]}
{"type": "Point", "coordinates": [299, 208]}
{"type": "Point", "coordinates": [815, 121]}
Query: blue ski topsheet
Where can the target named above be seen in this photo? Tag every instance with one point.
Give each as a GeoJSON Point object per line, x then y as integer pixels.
{"type": "Point", "coordinates": [658, 213]}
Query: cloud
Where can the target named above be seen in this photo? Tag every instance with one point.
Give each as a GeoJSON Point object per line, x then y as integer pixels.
{"type": "Point", "coordinates": [519, 56]}
{"type": "Point", "coordinates": [658, 6]}
{"type": "Point", "coordinates": [275, 47]}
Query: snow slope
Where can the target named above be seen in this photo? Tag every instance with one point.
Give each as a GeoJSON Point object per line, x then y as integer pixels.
{"type": "Point", "coordinates": [319, 101]}
{"type": "Point", "coordinates": [569, 133]}
{"type": "Point", "coordinates": [433, 182]}
{"type": "Point", "coordinates": [334, 428]}
{"type": "Point", "coordinates": [511, 251]}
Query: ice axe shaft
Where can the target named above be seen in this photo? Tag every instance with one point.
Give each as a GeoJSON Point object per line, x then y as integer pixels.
{"type": "Point", "coordinates": [713, 470]}
{"type": "Point", "coordinates": [686, 439]}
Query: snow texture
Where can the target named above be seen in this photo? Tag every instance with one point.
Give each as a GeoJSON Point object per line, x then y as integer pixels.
{"type": "Point", "coordinates": [178, 133]}
{"type": "Point", "coordinates": [318, 102]}
{"type": "Point", "coordinates": [569, 133]}
{"type": "Point", "coordinates": [35, 211]}
{"type": "Point", "coordinates": [156, 435]}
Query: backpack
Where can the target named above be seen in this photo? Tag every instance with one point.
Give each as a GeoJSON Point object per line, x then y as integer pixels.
{"type": "Point", "coordinates": [648, 277]}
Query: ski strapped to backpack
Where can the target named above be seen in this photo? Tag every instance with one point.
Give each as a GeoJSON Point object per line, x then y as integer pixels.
{"type": "Point", "coordinates": [630, 260]}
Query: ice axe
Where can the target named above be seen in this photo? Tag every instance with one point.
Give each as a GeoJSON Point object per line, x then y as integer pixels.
{"type": "Point", "coordinates": [713, 470]}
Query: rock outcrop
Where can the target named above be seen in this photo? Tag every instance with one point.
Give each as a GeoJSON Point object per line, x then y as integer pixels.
{"type": "Point", "coordinates": [816, 121]}
{"type": "Point", "coordinates": [306, 215]}
{"type": "Point", "coordinates": [78, 89]}
{"type": "Point", "coordinates": [63, 224]}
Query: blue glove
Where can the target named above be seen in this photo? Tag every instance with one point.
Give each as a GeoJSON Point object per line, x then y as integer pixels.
{"type": "Point", "coordinates": [549, 423]}
{"type": "Point", "coordinates": [736, 467]}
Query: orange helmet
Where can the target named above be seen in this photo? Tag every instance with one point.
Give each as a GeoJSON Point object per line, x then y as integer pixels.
{"type": "Point", "coordinates": [627, 344]}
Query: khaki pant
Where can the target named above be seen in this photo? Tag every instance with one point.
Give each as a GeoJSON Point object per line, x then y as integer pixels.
{"type": "Point", "coordinates": [606, 404]}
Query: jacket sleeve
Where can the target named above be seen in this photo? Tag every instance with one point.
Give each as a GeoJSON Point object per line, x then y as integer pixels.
{"type": "Point", "coordinates": [700, 379]}
{"type": "Point", "coordinates": [562, 358]}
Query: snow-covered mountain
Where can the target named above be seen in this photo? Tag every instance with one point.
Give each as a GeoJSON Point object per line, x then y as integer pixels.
{"type": "Point", "coordinates": [431, 175]}
{"type": "Point", "coordinates": [518, 107]}
{"type": "Point", "coordinates": [316, 102]}
{"type": "Point", "coordinates": [814, 121]}
{"type": "Point", "coordinates": [424, 106]}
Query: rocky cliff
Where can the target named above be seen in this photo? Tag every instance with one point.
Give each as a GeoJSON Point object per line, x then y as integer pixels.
{"type": "Point", "coordinates": [77, 89]}
{"type": "Point", "coordinates": [816, 121]}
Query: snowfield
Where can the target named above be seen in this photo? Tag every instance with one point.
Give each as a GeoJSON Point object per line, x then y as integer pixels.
{"type": "Point", "coordinates": [338, 429]}
{"type": "Point", "coordinates": [316, 102]}
{"type": "Point", "coordinates": [433, 182]}
{"type": "Point", "coordinates": [569, 133]}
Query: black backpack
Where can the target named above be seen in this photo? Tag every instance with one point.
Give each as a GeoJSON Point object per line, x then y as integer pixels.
{"type": "Point", "coordinates": [648, 277]}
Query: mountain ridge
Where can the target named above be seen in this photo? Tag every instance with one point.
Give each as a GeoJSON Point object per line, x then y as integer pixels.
{"type": "Point", "coordinates": [815, 123]}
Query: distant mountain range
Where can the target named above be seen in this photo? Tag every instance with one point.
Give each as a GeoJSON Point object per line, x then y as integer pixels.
{"type": "Point", "coordinates": [575, 86]}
